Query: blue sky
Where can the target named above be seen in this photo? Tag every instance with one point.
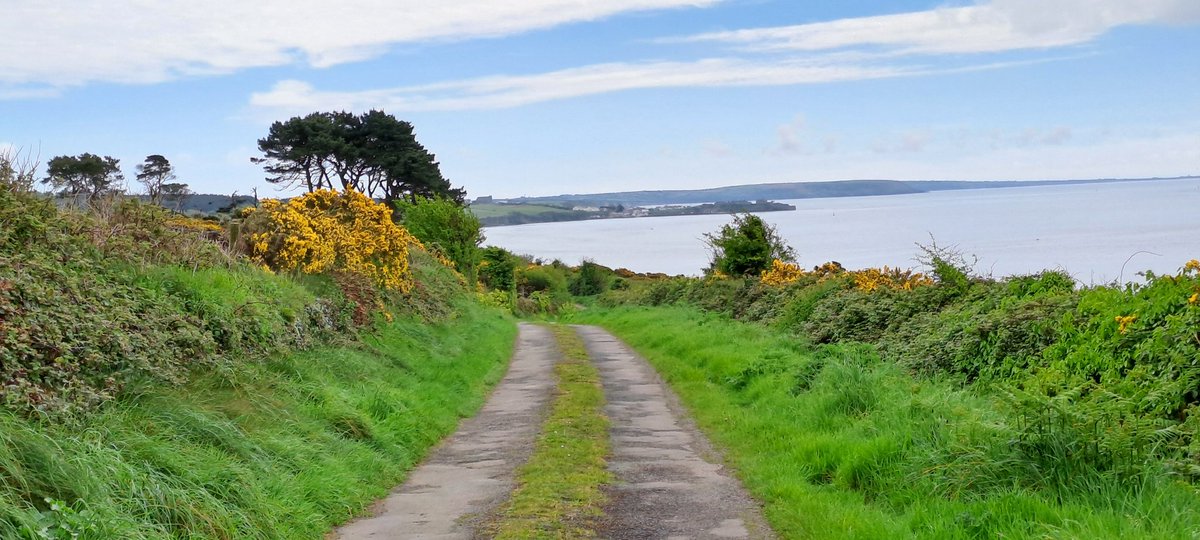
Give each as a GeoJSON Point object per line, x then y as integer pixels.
{"type": "Point", "coordinates": [541, 97]}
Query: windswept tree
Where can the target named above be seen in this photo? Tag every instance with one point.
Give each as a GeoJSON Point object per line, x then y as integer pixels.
{"type": "Point", "coordinates": [153, 173]}
{"type": "Point", "coordinates": [746, 247]}
{"type": "Point", "coordinates": [85, 174]}
{"type": "Point", "coordinates": [372, 153]}
{"type": "Point", "coordinates": [176, 193]}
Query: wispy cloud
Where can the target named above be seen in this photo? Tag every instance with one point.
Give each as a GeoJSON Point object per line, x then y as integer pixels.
{"type": "Point", "coordinates": [937, 41]}
{"type": "Point", "coordinates": [52, 44]}
{"type": "Point", "coordinates": [1000, 25]}
{"type": "Point", "coordinates": [515, 90]}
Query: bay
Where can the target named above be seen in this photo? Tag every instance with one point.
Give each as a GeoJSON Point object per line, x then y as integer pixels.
{"type": "Point", "coordinates": [1098, 233]}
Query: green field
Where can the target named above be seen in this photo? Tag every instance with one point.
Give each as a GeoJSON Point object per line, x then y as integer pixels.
{"type": "Point", "coordinates": [486, 210]}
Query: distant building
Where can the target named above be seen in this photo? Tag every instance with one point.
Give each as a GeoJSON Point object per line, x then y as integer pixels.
{"type": "Point", "coordinates": [483, 200]}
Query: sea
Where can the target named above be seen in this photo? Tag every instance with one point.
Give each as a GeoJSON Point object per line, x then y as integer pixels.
{"type": "Point", "coordinates": [1097, 233]}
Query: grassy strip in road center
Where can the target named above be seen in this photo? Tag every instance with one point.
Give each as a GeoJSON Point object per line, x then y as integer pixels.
{"type": "Point", "coordinates": [559, 492]}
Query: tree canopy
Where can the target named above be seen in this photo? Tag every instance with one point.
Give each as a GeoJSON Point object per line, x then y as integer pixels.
{"type": "Point", "coordinates": [155, 172]}
{"type": "Point", "coordinates": [85, 174]}
{"type": "Point", "coordinates": [746, 247]}
{"type": "Point", "coordinates": [372, 153]}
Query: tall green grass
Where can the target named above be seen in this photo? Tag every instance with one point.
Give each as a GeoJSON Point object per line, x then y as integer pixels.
{"type": "Point", "coordinates": [838, 443]}
{"type": "Point", "coordinates": [284, 447]}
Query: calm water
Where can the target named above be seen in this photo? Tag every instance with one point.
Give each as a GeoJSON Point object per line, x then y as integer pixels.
{"type": "Point", "coordinates": [1088, 230]}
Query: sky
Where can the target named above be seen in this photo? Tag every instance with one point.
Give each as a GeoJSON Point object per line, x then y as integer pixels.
{"type": "Point", "coordinates": [544, 97]}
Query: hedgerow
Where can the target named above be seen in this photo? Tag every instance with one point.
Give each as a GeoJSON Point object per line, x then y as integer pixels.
{"type": "Point", "coordinates": [1115, 368]}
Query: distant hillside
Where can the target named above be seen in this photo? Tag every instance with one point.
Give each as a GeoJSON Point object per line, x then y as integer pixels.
{"type": "Point", "coordinates": [789, 190]}
{"type": "Point", "coordinates": [208, 204]}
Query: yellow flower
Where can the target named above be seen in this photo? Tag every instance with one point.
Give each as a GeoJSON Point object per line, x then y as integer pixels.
{"type": "Point", "coordinates": [781, 273]}
{"type": "Point", "coordinates": [1123, 322]}
{"type": "Point", "coordinates": [1194, 299]}
{"type": "Point", "coordinates": [326, 230]}
{"type": "Point", "coordinates": [1193, 264]}
{"type": "Point", "coordinates": [872, 279]}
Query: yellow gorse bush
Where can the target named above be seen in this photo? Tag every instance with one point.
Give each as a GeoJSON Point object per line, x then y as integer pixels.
{"type": "Point", "coordinates": [782, 273]}
{"type": "Point", "coordinates": [327, 230]}
{"type": "Point", "coordinates": [873, 279]}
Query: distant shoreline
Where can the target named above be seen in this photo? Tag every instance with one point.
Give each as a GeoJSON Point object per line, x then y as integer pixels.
{"type": "Point", "coordinates": [506, 214]}
{"type": "Point", "coordinates": [730, 199]}
{"type": "Point", "coordinates": [797, 190]}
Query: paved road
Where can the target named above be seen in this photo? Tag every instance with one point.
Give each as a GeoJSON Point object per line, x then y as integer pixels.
{"type": "Point", "coordinates": [670, 482]}
{"type": "Point", "coordinates": [472, 472]}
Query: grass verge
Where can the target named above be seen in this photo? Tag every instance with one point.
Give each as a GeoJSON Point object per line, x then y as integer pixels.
{"type": "Point", "coordinates": [283, 448]}
{"type": "Point", "coordinates": [558, 491]}
{"type": "Point", "coordinates": [838, 443]}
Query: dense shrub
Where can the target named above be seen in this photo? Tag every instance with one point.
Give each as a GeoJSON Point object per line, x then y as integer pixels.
{"type": "Point", "coordinates": [447, 228]}
{"type": "Point", "coordinates": [590, 279]}
{"type": "Point", "coordinates": [73, 335]}
{"type": "Point", "coordinates": [1119, 364]}
{"type": "Point", "coordinates": [498, 269]}
{"type": "Point", "coordinates": [326, 230]}
{"type": "Point", "coordinates": [746, 247]}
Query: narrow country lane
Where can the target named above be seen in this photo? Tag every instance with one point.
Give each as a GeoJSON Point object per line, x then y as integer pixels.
{"type": "Point", "coordinates": [670, 483]}
{"type": "Point", "coordinates": [472, 472]}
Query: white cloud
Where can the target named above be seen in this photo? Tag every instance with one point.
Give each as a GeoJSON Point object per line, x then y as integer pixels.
{"type": "Point", "coordinates": [834, 51]}
{"type": "Point", "coordinates": [1000, 25]}
{"type": "Point", "coordinates": [514, 90]}
{"type": "Point", "coordinates": [56, 44]}
{"type": "Point", "coordinates": [789, 136]}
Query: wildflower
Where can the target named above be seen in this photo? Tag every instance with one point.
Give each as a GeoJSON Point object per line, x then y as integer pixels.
{"type": "Point", "coordinates": [1194, 299]}
{"type": "Point", "coordinates": [324, 230]}
{"type": "Point", "coordinates": [781, 273]}
{"type": "Point", "coordinates": [1123, 322]}
{"type": "Point", "coordinates": [1191, 265]}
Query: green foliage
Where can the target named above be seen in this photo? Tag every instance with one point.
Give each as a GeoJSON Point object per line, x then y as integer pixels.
{"type": "Point", "coordinates": [498, 269]}
{"type": "Point", "coordinates": [838, 442]}
{"type": "Point", "coordinates": [155, 173]}
{"type": "Point", "coordinates": [542, 290]}
{"type": "Point", "coordinates": [1096, 383]}
{"type": "Point", "coordinates": [85, 174]}
{"type": "Point", "coordinates": [66, 522]}
{"type": "Point", "coordinates": [28, 220]}
{"type": "Point", "coordinates": [746, 247]}
{"type": "Point", "coordinates": [590, 279]}
{"type": "Point", "coordinates": [372, 153]}
{"type": "Point", "coordinates": [446, 227]}
{"type": "Point", "coordinates": [17, 169]}
{"type": "Point", "coordinates": [285, 447]}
